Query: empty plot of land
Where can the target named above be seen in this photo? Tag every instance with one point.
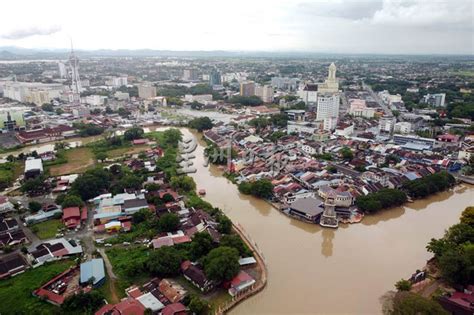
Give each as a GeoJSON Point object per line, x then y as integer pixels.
{"type": "Point", "coordinates": [127, 150]}
{"type": "Point", "coordinates": [78, 161]}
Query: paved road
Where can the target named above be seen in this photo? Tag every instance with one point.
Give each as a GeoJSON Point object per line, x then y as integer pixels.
{"type": "Point", "coordinates": [385, 108]}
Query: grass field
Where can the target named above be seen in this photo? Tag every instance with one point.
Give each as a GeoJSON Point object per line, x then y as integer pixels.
{"type": "Point", "coordinates": [127, 150]}
{"type": "Point", "coordinates": [47, 229]}
{"type": "Point", "coordinates": [16, 292]}
{"type": "Point", "coordinates": [125, 262]}
{"type": "Point", "coordinates": [466, 73]}
{"type": "Point", "coordinates": [78, 161]}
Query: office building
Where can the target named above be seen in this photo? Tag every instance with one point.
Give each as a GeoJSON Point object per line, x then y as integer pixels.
{"type": "Point", "coordinates": [247, 88]}
{"type": "Point", "coordinates": [146, 91]}
{"type": "Point", "coordinates": [402, 127]}
{"type": "Point", "coordinates": [265, 92]}
{"type": "Point", "coordinates": [32, 92]}
{"type": "Point", "coordinates": [358, 108]}
{"type": "Point", "coordinates": [309, 94]}
{"type": "Point", "coordinates": [386, 124]}
{"type": "Point", "coordinates": [215, 78]}
{"type": "Point", "coordinates": [285, 83]}
{"type": "Point", "coordinates": [327, 106]}
{"type": "Point", "coordinates": [117, 81]}
{"type": "Point", "coordinates": [435, 100]}
{"type": "Point", "coordinates": [190, 75]}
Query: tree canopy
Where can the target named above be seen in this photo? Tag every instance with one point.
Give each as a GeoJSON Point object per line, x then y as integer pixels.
{"type": "Point", "coordinates": [222, 263]}
{"type": "Point", "coordinates": [168, 222]}
{"type": "Point", "coordinates": [201, 123]}
{"type": "Point", "coordinates": [165, 261]}
{"type": "Point", "coordinates": [133, 133]}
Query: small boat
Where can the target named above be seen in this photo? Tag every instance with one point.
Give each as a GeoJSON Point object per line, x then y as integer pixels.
{"type": "Point", "coordinates": [202, 192]}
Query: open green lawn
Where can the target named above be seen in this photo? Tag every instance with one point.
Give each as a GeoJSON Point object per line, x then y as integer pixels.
{"type": "Point", "coordinates": [16, 293]}
{"type": "Point", "coordinates": [47, 229]}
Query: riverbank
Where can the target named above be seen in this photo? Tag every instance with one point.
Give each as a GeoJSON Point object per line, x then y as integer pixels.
{"type": "Point", "coordinates": [261, 267]}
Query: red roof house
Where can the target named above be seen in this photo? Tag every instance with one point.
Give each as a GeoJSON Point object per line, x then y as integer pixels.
{"type": "Point", "coordinates": [128, 306]}
{"type": "Point", "coordinates": [174, 309]}
{"type": "Point", "coordinates": [72, 217]}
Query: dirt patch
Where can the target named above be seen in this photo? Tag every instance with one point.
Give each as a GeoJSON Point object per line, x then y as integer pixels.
{"type": "Point", "coordinates": [78, 161]}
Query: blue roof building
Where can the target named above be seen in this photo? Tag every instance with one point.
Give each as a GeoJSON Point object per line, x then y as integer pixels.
{"type": "Point", "coordinates": [93, 269]}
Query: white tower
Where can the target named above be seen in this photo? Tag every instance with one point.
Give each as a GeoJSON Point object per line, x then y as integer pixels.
{"type": "Point", "coordinates": [329, 217]}
{"type": "Point", "coordinates": [75, 79]}
{"type": "Point", "coordinates": [332, 73]}
{"type": "Point", "coordinates": [330, 85]}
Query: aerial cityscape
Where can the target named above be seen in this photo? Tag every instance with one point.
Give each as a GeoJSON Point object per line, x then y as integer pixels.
{"type": "Point", "coordinates": [270, 157]}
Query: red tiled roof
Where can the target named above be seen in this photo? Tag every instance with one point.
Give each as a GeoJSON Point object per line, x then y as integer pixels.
{"type": "Point", "coordinates": [84, 213]}
{"type": "Point", "coordinates": [181, 239]}
{"type": "Point", "coordinates": [172, 309]}
{"type": "Point", "coordinates": [128, 306]}
{"type": "Point", "coordinates": [241, 277]}
{"type": "Point", "coordinates": [71, 212]}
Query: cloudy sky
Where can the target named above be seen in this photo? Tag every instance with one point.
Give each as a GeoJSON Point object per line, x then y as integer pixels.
{"type": "Point", "coordinates": [338, 26]}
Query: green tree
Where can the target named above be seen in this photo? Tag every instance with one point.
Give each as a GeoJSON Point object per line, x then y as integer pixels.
{"type": "Point", "coordinates": [456, 266]}
{"type": "Point", "coordinates": [34, 206]}
{"type": "Point", "coordinates": [201, 245]}
{"type": "Point", "coordinates": [467, 216]}
{"type": "Point", "coordinates": [225, 224]}
{"type": "Point", "coordinates": [133, 133]}
{"type": "Point", "coordinates": [33, 185]}
{"type": "Point", "coordinates": [346, 153]}
{"type": "Point", "coordinates": [262, 188]}
{"type": "Point", "coordinates": [164, 262]}
{"type": "Point", "coordinates": [234, 241]}
{"type": "Point", "coordinates": [92, 183]}
{"type": "Point", "coordinates": [407, 303]}
{"type": "Point", "coordinates": [168, 222]}
{"type": "Point", "coordinates": [171, 137]}
{"type": "Point", "coordinates": [198, 306]}
{"type": "Point", "coordinates": [183, 183]}
{"type": "Point", "coordinates": [142, 215]}
{"type": "Point", "coordinates": [221, 264]}
{"type": "Point", "coordinates": [201, 123]}
{"type": "Point", "coordinates": [83, 303]}
{"type": "Point", "coordinates": [403, 285]}
{"type": "Point", "coordinates": [47, 107]}
{"type": "Point", "coordinates": [101, 156]}
{"type": "Point", "coordinates": [131, 181]}
{"type": "Point", "coordinates": [71, 201]}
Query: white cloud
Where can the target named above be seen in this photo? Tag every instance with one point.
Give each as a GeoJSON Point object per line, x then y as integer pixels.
{"type": "Point", "coordinates": [25, 32]}
{"type": "Point", "coordinates": [373, 26]}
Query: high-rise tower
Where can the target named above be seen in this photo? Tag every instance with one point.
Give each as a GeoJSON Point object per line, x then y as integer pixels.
{"type": "Point", "coordinates": [75, 79]}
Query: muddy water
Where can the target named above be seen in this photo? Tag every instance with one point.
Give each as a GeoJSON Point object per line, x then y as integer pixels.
{"type": "Point", "coordinates": [322, 271]}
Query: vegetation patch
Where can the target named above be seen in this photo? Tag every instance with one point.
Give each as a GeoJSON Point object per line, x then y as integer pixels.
{"type": "Point", "coordinates": [47, 229]}
{"type": "Point", "coordinates": [17, 291]}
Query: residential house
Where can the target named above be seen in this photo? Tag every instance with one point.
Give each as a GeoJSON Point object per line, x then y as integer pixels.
{"type": "Point", "coordinates": [12, 265]}
{"type": "Point", "coordinates": [196, 276]}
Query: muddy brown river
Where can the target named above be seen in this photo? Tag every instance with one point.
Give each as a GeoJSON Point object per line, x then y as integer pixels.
{"type": "Point", "coordinates": [322, 271]}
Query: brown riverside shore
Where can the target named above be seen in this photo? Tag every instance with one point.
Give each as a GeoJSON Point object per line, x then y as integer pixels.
{"type": "Point", "coordinates": [261, 266]}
